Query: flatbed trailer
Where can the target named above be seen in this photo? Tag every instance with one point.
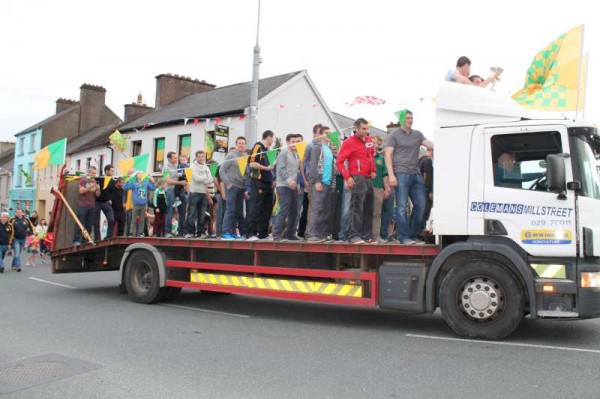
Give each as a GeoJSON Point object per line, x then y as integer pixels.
{"type": "Point", "coordinates": [504, 251]}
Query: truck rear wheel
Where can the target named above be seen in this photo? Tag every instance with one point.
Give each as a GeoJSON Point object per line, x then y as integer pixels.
{"type": "Point", "coordinates": [142, 278]}
{"type": "Point", "coordinates": [482, 299]}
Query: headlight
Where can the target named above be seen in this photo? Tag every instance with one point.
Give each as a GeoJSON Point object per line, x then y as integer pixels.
{"type": "Point", "coordinates": [590, 280]}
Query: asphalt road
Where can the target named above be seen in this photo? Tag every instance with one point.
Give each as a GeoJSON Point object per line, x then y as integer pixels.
{"type": "Point", "coordinates": [229, 346]}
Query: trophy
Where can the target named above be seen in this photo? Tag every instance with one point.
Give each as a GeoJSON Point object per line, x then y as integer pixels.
{"type": "Point", "coordinates": [496, 71]}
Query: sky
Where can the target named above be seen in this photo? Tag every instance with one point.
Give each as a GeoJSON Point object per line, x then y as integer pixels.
{"type": "Point", "coordinates": [395, 51]}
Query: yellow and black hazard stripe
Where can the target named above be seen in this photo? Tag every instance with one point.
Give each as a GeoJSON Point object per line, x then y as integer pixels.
{"type": "Point", "coordinates": [549, 271]}
{"type": "Point", "coordinates": [277, 284]}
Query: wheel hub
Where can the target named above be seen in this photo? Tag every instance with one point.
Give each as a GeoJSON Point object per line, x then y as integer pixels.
{"type": "Point", "coordinates": [481, 298]}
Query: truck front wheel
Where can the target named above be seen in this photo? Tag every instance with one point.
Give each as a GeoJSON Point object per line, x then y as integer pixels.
{"type": "Point", "coordinates": [142, 278]}
{"type": "Point", "coordinates": [482, 299]}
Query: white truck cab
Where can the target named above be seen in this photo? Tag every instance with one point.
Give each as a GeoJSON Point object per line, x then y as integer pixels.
{"type": "Point", "coordinates": [518, 194]}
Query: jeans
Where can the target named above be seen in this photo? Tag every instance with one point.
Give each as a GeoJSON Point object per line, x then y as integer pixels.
{"type": "Point", "coordinates": [128, 216]}
{"type": "Point", "coordinates": [86, 217]}
{"type": "Point", "coordinates": [409, 185]}
{"type": "Point", "coordinates": [170, 194]}
{"type": "Point", "coordinates": [234, 210]}
{"type": "Point", "coordinates": [387, 213]}
{"type": "Point", "coordinates": [361, 209]}
{"type": "Point", "coordinates": [318, 212]}
{"type": "Point", "coordinates": [197, 206]}
{"type": "Point", "coordinates": [18, 245]}
{"type": "Point", "coordinates": [105, 208]}
{"type": "Point", "coordinates": [377, 207]}
{"type": "Point", "coordinates": [3, 249]}
{"type": "Point", "coordinates": [221, 204]}
{"type": "Point", "coordinates": [344, 221]}
{"type": "Point", "coordinates": [288, 209]}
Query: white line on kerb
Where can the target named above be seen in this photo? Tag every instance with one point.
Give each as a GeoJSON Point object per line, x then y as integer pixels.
{"type": "Point", "coordinates": [50, 282]}
{"type": "Point", "coordinates": [560, 348]}
{"type": "Point", "coordinates": [204, 310]}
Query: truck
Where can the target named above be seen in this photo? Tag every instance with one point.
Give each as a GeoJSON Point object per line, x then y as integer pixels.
{"type": "Point", "coordinates": [510, 244]}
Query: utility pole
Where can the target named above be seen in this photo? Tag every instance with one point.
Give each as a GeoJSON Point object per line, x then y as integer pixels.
{"type": "Point", "coordinates": [252, 134]}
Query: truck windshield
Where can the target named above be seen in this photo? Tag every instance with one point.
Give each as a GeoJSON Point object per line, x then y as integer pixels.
{"type": "Point", "coordinates": [585, 152]}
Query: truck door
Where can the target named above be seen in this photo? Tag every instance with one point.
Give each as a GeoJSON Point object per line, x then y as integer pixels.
{"type": "Point", "coordinates": [515, 201]}
{"type": "Point", "coordinates": [585, 147]}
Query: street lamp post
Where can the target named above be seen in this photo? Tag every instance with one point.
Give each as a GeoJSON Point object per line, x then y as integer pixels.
{"type": "Point", "coordinates": [253, 117]}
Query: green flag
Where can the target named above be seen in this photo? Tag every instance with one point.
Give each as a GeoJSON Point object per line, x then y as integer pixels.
{"type": "Point", "coordinates": [334, 137]}
{"type": "Point", "coordinates": [213, 168]}
{"type": "Point", "coordinates": [209, 145]}
{"type": "Point", "coordinates": [401, 115]}
{"type": "Point", "coordinates": [53, 154]}
{"type": "Point", "coordinates": [271, 156]}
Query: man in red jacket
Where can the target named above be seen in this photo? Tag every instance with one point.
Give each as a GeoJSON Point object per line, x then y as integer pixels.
{"type": "Point", "coordinates": [358, 151]}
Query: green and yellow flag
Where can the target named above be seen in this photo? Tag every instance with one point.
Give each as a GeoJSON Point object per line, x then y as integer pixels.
{"type": "Point", "coordinates": [53, 154]}
{"type": "Point", "coordinates": [117, 139]}
{"type": "Point", "coordinates": [553, 79]}
{"type": "Point", "coordinates": [139, 163]}
{"type": "Point", "coordinates": [160, 150]}
{"type": "Point", "coordinates": [209, 145]}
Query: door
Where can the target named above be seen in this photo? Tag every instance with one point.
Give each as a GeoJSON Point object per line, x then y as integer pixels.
{"type": "Point", "coordinates": [516, 202]}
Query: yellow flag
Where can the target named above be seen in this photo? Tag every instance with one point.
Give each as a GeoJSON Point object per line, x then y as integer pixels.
{"type": "Point", "coordinates": [242, 163]}
{"type": "Point", "coordinates": [188, 174]}
{"type": "Point", "coordinates": [553, 79]}
{"type": "Point", "coordinates": [301, 147]}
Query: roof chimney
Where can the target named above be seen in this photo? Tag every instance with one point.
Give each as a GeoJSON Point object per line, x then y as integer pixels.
{"type": "Point", "coordinates": [139, 99]}
{"type": "Point", "coordinates": [170, 88]}
{"type": "Point", "coordinates": [63, 104]}
{"type": "Point", "coordinates": [92, 100]}
{"type": "Point", "coordinates": [134, 111]}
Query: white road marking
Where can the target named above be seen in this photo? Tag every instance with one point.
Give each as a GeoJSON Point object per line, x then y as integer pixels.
{"type": "Point", "coordinates": [560, 348]}
{"type": "Point", "coordinates": [50, 282]}
{"type": "Point", "coordinates": [204, 310]}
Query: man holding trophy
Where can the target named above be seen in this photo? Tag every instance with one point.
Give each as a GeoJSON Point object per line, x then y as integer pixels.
{"type": "Point", "coordinates": [463, 71]}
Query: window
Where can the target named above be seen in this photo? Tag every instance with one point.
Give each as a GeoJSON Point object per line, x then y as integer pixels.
{"type": "Point", "coordinates": [519, 160]}
{"type": "Point", "coordinates": [21, 149]}
{"type": "Point", "coordinates": [32, 140]}
{"type": "Point", "coordinates": [101, 162]}
{"type": "Point", "coordinates": [136, 148]}
{"type": "Point", "coordinates": [29, 181]}
{"type": "Point", "coordinates": [185, 145]}
{"type": "Point", "coordinates": [159, 154]}
{"type": "Point", "coordinates": [78, 165]}
{"type": "Point", "coordinates": [19, 176]}
{"type": "Point", "coordinates": [88, 163]}
{"type": "Point", "coordinates": [584, 149]}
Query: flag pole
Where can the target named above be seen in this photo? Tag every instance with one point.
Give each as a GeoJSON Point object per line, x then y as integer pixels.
{"type": "Point", "coordinates": [585, 69]}
{"type": "Point", "coordinates": [580, 75]}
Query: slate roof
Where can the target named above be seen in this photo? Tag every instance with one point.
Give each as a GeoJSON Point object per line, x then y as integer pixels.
{"type": "Point", "coordinates": [50, 119]}
{"type": "Point", "coordinates": [224, 100]}
{"type": "Point", "coordinates": [92, 138]}
{"type": "Point", "coordinates": [345, 123]}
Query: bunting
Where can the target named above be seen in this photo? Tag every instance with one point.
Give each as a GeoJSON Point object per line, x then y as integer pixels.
{"type": "Point", "coordinates": [301, 148]}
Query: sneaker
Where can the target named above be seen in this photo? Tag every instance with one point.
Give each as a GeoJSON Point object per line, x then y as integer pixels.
{"type": "Point", "coordinates": [328, 240]}
{"type": "Point", "coordinates": [252, 238]}
{"type": "Point", "coordinates": [407, 241]}
{"type": "Point", "coordinates": [356, 240]}
{"type": "Point", "coordinates": [382, 241]}
{"type": "Point", "coordinates": [315, 239]}
{"type": "Point", "coordinates": [166, 235]}
{"type": "Point", "coordinates": [238, 237]}
{"type": "Point", "coordinates": [294, 238]}
{"type": "Point", "coordinates": [418, 241]}
{"type": "Point", "coordinates": [203, 236]}
{"type": "Point", "coordinates": [267, 238]}
{"type": "Point", "coordinates": [76, 243]}
{"type": "Point", "coordinates": [188, 236]}
{"type": "Point", "coordinates": [371, 241]}
{"type": "Point", "coordinates": [228, 237]}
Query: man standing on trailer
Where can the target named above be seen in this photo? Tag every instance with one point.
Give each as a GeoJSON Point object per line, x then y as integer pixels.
{"type": "Point", "coordinates": [402, 161]}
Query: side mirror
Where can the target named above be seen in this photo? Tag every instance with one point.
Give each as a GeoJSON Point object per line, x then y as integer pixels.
{"type": "Point", "coordinates": [555, 174]}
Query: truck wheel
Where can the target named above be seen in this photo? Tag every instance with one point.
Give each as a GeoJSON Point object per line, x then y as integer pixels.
{"type": "Point", "coordinates": [482, 299]}
{"type": "Point", "coordinates": [142, 279]}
